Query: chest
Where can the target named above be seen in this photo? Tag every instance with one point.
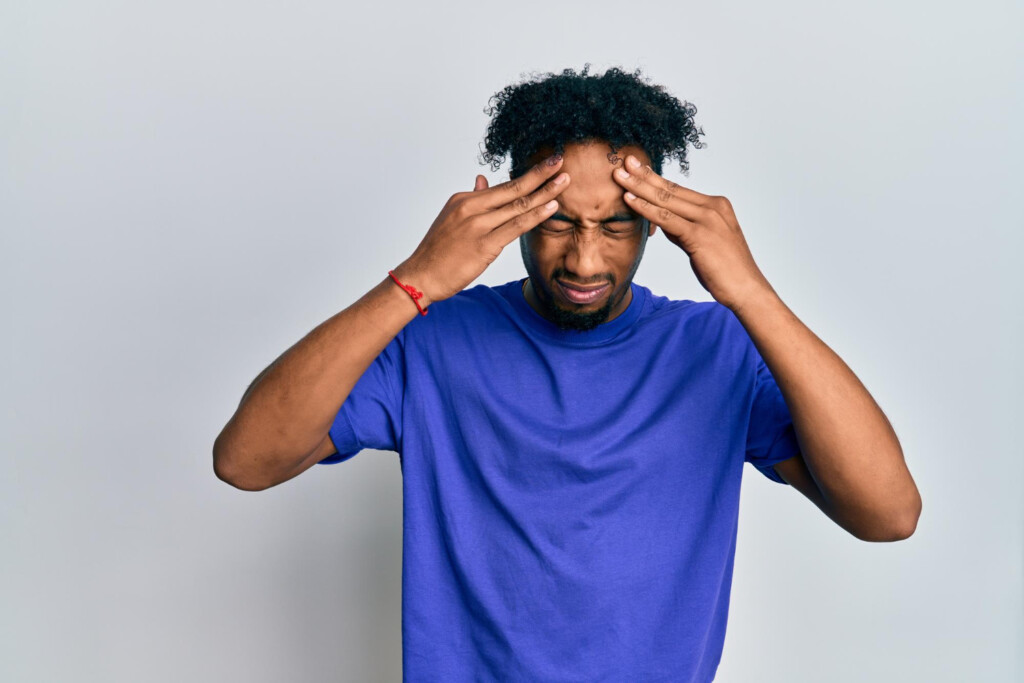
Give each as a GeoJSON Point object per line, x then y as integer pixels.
{"type": "Point", "coordinates": [550, 417]}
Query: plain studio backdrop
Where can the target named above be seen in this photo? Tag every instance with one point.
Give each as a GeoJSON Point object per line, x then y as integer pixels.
{"type": "Point", "coordinates": [188, 188]}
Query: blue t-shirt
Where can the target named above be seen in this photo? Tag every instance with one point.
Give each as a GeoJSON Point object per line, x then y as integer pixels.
{"type": "Point", "coordinates": [570, 498]}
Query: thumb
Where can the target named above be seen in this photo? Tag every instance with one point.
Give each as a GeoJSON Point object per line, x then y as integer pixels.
{"type": "Point", "coordinates": [480, 184]}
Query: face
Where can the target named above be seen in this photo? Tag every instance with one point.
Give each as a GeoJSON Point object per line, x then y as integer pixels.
{"type": "Point", "coordinates": [592, 240]}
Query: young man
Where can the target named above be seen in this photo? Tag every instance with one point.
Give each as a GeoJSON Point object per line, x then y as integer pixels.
{"type": "Point", "coordinates": [571, 443]}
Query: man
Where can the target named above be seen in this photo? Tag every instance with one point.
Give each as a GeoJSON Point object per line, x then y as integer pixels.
{"type": "Point", "coordinates": [572, 444]}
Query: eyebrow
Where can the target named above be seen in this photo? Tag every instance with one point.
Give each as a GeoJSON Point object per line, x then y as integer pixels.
{"type": "Point", "coordinates": [617, 218]}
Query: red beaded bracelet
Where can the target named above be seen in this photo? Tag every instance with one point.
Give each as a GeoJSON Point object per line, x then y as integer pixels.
{"type": "Point", "coordinates": [413, 292]}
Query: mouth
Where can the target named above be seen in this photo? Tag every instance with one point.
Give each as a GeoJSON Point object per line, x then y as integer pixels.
{"type": "Point", "coordinates": [577, 295]}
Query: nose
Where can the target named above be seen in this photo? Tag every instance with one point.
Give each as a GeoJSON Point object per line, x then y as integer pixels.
{"type": "Point", "coordinates": [583, 257]}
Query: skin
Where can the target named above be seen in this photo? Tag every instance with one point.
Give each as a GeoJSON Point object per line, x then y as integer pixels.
{"type": "Point", "coordinates": [593, 238]}
{"type": "Point", "coordinates": [281, 427]}
{"type": "Point", "coordinates": [850, 464]}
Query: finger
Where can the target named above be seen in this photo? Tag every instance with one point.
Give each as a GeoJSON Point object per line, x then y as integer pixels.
{"type": "Point", "coordinates": [480, 184]}
{"type": "Point", "coordinates": [521, 205]}
{"type": "Point", "coordinates": [646, 174]}
{"type": "Point", "coordinates": [509, 191]}
{"type": "Point", "coordinates": [669, 222]}
{"type": "Point", "coordinates": [522, 223]}
{"type": "Point", "coordinates": [665, 192]}
{"type": "Point", "coordinates": [658, 200]}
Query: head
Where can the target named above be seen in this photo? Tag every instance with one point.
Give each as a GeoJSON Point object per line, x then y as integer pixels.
{"type": "Point", "coordinates": [594, 238]}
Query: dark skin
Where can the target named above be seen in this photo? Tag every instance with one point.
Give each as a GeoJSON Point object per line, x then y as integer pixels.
{"type": "Point", "coordinates": [851, 464]}
{"type": "Point", "coordinates": [281, 426]}
{"type": "Point", "coordinates": [593, 238]}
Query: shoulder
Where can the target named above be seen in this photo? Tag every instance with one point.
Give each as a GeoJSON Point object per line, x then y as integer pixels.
{"type": "Point", "coordinates": [477, 300]}
{"type": "Point", "coordinates": [704, 327]}
{"type": "Point", "coordinates": [705, 313]}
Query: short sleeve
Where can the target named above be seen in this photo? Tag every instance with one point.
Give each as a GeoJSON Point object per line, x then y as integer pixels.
{"type": "Point", "coordinates": [371, 416]}
{"type": "Point", "coordinates": [770, 434]}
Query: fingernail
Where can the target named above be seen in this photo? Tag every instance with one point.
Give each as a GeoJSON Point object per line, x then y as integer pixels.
{"type": "Point", "coordinates": [630, 195]}
{"type": "Point", "coordinates": [554, 159]}
{"type": "Point", "coordinates": [623, 173]}
{"type": "Point", "coordinates": [632, 162]}
{"type": "Point", "coordinates": [561, 178]}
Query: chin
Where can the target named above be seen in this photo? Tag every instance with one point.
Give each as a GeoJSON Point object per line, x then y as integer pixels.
{"type": "Point", "coordinates": [575, 319]}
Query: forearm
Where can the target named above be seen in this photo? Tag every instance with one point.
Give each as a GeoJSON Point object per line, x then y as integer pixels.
{"type": "Point", "coordinates": [287, 411]}
{"type": "Point", "coordinates": [846, 441]}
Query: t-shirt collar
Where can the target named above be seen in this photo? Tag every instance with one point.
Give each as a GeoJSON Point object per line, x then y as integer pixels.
{"type": "Point", "coordinates": [601, 334]}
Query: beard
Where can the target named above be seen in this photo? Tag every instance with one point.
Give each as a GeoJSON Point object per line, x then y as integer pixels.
{"type": "Point", "coordinates": [566, 319]}
{"type": "Point", "coordinates": [576, 320]}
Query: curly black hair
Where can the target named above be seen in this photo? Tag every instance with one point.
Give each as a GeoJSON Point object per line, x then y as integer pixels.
{"type": "Point", "coordinates": [549, 110]}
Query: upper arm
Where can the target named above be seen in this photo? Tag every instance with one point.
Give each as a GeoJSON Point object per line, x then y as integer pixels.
{"type": "Point", "coordinates": [325, 449]}
{"type": "Point", "coordinates": [794, 471]}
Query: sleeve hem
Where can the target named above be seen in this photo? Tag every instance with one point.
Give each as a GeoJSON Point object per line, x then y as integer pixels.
{"type": "Point", "coordinates": [342, 432]}
{"type": "Point", "coordinates": [784, 447]}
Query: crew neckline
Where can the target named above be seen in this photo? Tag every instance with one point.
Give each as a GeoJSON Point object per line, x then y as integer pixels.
{"type": "Point", "coordinates": [603, 333]}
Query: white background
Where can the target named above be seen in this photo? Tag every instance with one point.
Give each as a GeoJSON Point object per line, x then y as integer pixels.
{"type": "Point", "coordinates": [188, 188]}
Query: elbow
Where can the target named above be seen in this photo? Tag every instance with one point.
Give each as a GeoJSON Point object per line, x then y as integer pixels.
{"type": "Point", "coordinates": [910, 515]}
{"type": "Point", "coordinates": [896, 532]}
{"type": "Point", "coordinates": [229, 473]}
{"type": "Point", "coordinates": [239, 483]}
{"type": "Point", "coordinates": [910, 518]}
{"type": "Point", "coordinates": [897, 526]}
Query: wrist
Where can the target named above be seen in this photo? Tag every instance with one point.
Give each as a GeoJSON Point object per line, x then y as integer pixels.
{"type": "Point", "coordinates": [755, 302]}
{"type": "Point", "coordinates": [408, 282]}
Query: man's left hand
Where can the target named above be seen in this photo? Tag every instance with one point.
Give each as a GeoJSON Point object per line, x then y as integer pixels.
{"type": "Point", "coordinates": [703, 226]}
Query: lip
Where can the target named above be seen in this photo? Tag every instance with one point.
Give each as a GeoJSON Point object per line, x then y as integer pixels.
{"type": "Point", "coordinates": [582, 296]}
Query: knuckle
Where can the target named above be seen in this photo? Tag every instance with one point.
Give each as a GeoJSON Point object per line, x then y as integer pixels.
{"type": "Point", "coordinates": [515, 186]}
{"type": "Point", "coordinates": [664, 214]}
{"type": "Point", "coordinates": [539, 214]}
{"type": "Point", "coordinates": [521, 204]}
{"type": "Point", "coordinates": [665, 195]}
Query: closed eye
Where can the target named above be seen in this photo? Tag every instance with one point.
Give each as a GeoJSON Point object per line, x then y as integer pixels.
{"type": "Point", "coordinates": [619, 224]}
{"type": "Point", "coordinates": [621, 227]}
{"type": "Point", "coordinates": [557, 227]}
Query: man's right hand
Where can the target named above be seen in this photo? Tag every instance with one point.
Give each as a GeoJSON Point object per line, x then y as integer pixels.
{"type": "Point", "coordinates": [473, 228]}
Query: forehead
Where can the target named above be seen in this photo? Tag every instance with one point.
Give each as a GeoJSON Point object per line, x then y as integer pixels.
{"type": "Point", "coordinates": [593, 193]}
